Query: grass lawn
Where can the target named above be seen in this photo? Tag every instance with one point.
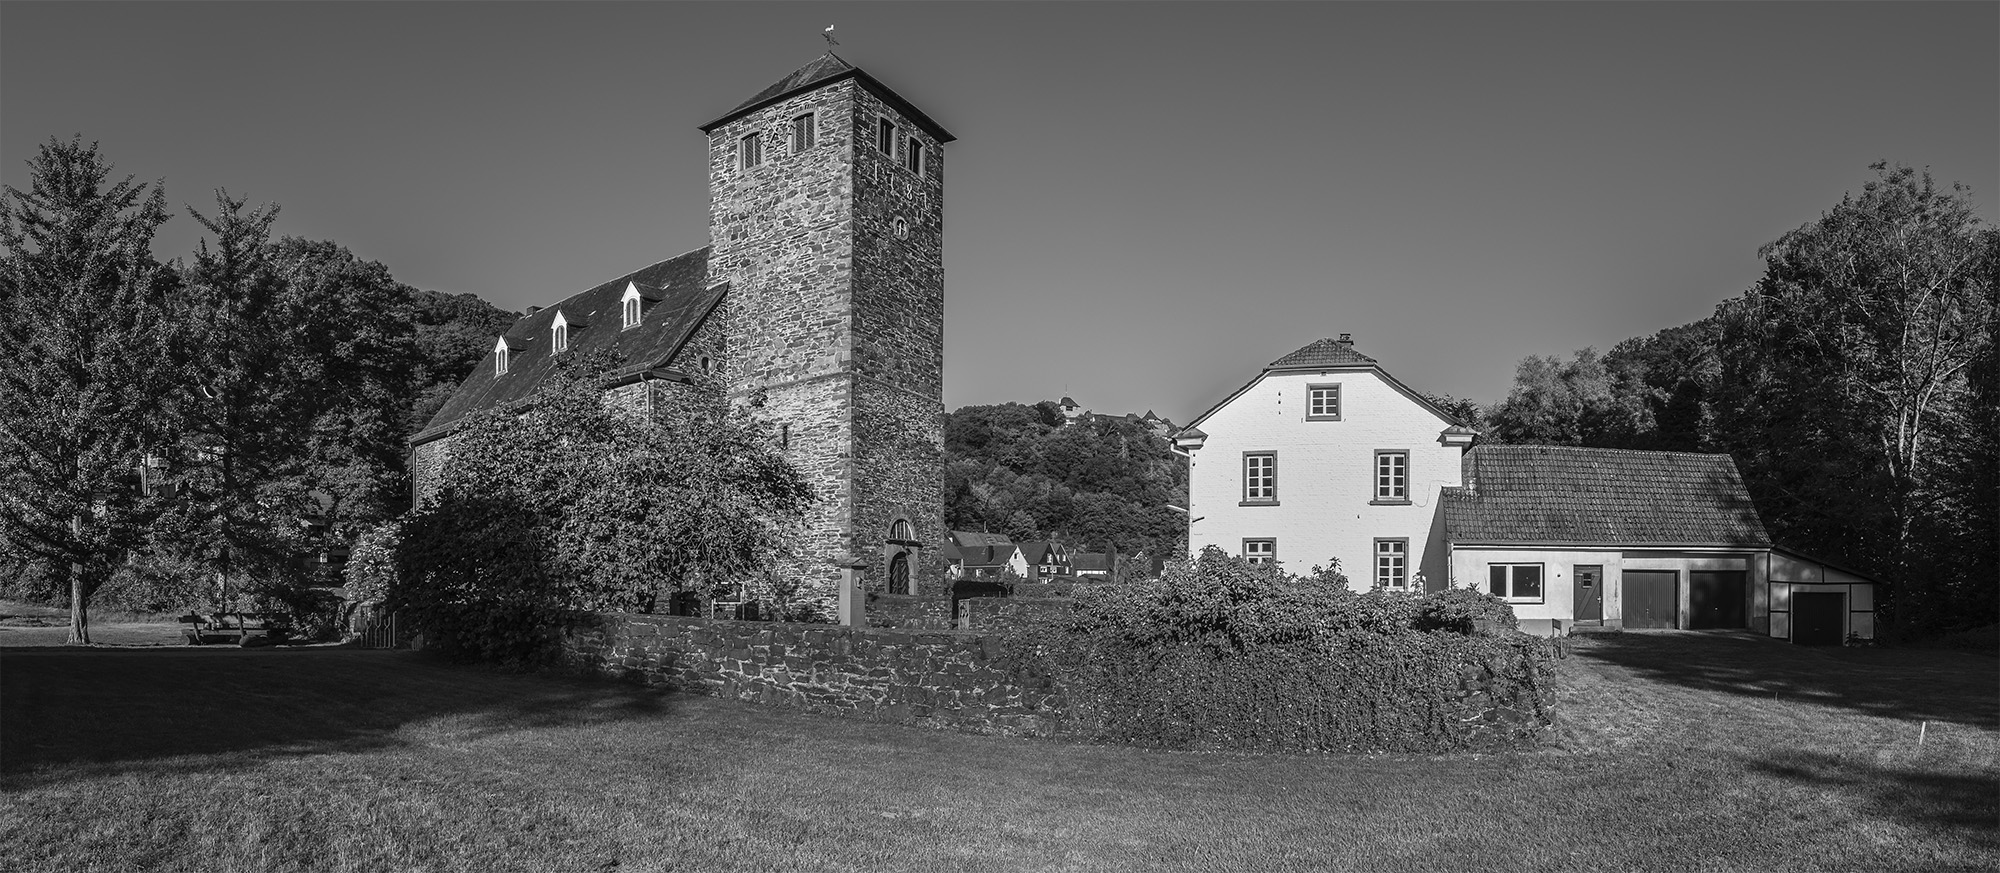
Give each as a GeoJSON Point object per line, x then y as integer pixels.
{"type": "Point", "coordinates": [1677, 751]}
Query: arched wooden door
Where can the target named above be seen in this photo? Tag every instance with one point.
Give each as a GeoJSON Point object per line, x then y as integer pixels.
{"type": "Point", "coordinates": [899, 573]}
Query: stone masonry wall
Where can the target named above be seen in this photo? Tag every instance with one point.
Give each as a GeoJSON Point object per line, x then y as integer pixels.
{"type": "Point", "coordinates": [1001, 613]}
{"type": "Point", "coordinates": [898, 346]}
{"type": "Point", "coordinates": [910, 611]}
{"type": "Point", "coordinates": [947, 679]}
{"type": "Point", "coordinates": [783, 236]}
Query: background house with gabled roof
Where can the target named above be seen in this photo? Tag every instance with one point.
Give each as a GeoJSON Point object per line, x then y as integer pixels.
{"type": "Point", "coordinates": [981, 555]}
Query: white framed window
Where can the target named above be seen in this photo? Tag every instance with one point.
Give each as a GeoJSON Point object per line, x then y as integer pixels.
{"type": "Point", "coordinates": [1392, 476]}
{"type": "Point", "coordinates": [805, 132]}
{"type": "Point", "coordinates": [500, 355]}
{"type": "Point", "coordinates": [1392, 563]}
{"type": "Point", "coordinates": [559, 335]}
{"type": "Point", "coordinates": [1323, 402]}
{"type": "Point", "coordinates": [750, 151]}
{"type": "Point", "coordinates": [1515, 583]}
{"type": "Point", "coordinates": [632, 308]}
{"type": "Point", "coordinates": [885, 136]}
{"type": "Point", "coordinates": [1260, 477]}
{"type": "Point", "coordinates": [1260, 551]}
{"type": "Point", "coordinates": [913, 155]}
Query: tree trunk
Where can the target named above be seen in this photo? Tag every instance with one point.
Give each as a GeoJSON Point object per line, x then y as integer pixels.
{"type": "Point", "coordinates": [79, 617]}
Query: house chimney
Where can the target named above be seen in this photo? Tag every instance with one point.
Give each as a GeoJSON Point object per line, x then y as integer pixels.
{"type": "Point", "coordinates": [1347, 339]}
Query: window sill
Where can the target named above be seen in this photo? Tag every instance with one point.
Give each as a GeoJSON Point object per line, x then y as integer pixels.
{"type": "Point", "coordinates": [1404, 502]}
{"type": "Point", "coordinates": [1322, 418]}
{"type": "Point", "coordinates": [1258, 503]}
{"type": "Point", "coordinates": [1522, 601]}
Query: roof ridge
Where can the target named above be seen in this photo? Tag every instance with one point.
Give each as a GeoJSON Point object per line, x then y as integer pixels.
{"type": "Point", "coordinates": [1499, 446]}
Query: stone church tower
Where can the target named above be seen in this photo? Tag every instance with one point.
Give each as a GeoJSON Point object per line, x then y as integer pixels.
{"type": "Point", "coordinates": [826, 219]}
{"type": "Point", "coordinates": [818, 305]}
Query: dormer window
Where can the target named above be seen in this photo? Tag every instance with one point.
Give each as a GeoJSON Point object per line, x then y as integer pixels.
{"type": "Point", "coordinates": [559, 335]}
{"type": "Point", "coordinates": [632, 307]}
{"type": "Point", "coordinates": [500, 351]}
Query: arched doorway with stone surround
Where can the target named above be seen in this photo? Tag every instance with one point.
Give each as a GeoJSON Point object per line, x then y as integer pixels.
{"type": "Point", "coordinates": [899, 556]}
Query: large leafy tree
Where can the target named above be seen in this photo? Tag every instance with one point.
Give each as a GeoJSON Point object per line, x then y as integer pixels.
{"type": "Point", "coordinates": [1849, 389]}
{"type": "Point", "coordinates": [575, 507]}
{"type": "Point", "coordinates": [245, 416]}
{"type": "Point", "coordinates": [1102, 482]}
{"type": "Point", "coordinates": [1567, 403]}
{"type": "Point", "coordinates": [302, 358]}
{"type": "Point", "coordinates": [81, 311]}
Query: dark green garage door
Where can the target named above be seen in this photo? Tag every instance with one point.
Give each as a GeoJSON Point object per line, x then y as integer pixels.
{"type": "Point", "coordinates": [1819, 618]}
{"type": "Point", "coordinates": [1649, 598]}
{"type": "Point", "coordinates": [1717, 599]}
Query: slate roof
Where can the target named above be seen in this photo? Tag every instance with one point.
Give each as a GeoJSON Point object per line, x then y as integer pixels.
{"type": "Point", "coordinates": [1041, 552]}
{"type": "Point", "coordinates": [684, 301]}
{"type": "Point", "coordinates": [1569, 495]}
{"type": "Point", "coordinates": [1090, 561]}
{"type": "Point", "coordinates": [980, 549]}
{"type": "Point", "coordinates": [823, 70]}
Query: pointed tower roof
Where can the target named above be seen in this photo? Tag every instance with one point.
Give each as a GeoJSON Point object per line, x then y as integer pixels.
{"type": "Point", "coordinates": [825, 70]}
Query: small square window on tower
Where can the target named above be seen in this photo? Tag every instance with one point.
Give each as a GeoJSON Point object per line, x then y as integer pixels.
{"type": "Point", "coordinates": [885, 136]}
{"type": "Point", "coordinates": [750, 151]}
{"type": "Point", "coordinates": [913, 156]}
{"type": "Point", "coordinates": [804, 133]}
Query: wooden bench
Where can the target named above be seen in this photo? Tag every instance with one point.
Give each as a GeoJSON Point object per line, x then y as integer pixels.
{"type": "Point", "coordinates": [238, 627]}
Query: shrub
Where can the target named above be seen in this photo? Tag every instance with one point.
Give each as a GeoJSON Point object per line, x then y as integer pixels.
{"type": "Point", "coordinates": [1223, 653]}
{"type": "Point", "coordinates": [576, 508]}
{"type": "Point", "coordinates": [158, 584]}
{"type": "Point", "coordinates": [1465, 611]}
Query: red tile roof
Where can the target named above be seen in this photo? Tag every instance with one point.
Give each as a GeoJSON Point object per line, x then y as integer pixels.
{"type": "Point", "coordinates": [1323, 353]}
{"type": "Point", "coordinates": [1604, 497]}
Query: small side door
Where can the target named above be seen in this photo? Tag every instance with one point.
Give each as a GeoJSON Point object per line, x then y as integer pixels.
{"type": "Point", "coordinates": [1589, 587]}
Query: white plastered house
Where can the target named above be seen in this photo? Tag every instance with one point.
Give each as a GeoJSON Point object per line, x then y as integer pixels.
{"type": "Point", "coordinates": [1326, 456]}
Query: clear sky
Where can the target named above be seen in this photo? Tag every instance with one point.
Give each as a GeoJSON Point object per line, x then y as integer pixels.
{"type": "Point", "coordinates": [1147, 201]}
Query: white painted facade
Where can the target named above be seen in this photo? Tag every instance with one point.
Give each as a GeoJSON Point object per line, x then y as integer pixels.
{"type": "Point", "coordinates": [1325, 504]}
{"type": "Point", "coordinates": [1554, 613]}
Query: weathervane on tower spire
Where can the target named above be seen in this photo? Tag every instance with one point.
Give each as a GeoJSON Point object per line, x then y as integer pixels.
{"type": "Point", "coordinates": [830, 41]}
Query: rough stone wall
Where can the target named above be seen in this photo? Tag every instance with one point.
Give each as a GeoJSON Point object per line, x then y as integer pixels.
{"type": "Point", "coordinates": [898, 335]}
{"type": "Point", "coordinates": [782, 236]}
{"type": "Point", "coordinates": [1002, 613]}
{"type": "Point", "coordinates": [910, 611]}
{"type": "Point", "coordinates": [898, 473]}
{"type": "Point", "coordinates": [946, 679]}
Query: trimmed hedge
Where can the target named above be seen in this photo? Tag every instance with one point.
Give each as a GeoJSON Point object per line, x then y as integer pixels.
{"type": "Point", "coordinates": [1223, 654]}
